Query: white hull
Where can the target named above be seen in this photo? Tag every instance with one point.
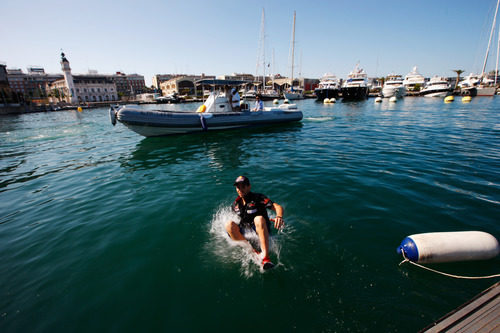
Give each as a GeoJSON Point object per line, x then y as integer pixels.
{"type": "Point", "coordinates": [393, 91]}
{"type": "Point", "coordinates": [435, 94]}
{"type": "Point", "coordinates": [485, 91]}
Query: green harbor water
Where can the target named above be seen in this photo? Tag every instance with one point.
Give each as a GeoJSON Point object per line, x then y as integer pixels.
{"type": "Point", "coordinates": [104, 230]}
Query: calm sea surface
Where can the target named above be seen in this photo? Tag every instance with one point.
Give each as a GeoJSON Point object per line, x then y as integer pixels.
{"type": "Point", "coordinates": [104, 230]}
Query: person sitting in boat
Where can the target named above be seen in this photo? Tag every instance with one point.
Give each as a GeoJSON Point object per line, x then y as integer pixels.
{"type": "Point", "coordinates": [234, 99]}
{"type": "Point", "coordinates": [259, 106]}
{"type": "Point", "coordinates": [252, 209]}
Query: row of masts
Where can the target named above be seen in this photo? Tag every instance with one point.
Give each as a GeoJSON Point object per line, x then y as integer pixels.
{"type": "Point", "coordinates": [492, 32]}
{"type": "Point", "coordinates": [261, 55]}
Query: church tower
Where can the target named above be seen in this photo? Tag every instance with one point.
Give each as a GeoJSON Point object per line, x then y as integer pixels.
{"type": "Point", "coordinates": [68, 78]}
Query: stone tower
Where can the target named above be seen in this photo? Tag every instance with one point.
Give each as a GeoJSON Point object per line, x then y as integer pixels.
{"type": "Point", "coordinates": [68, 78]}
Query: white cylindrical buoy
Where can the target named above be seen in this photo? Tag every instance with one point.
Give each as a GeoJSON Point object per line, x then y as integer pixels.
{"type": "Point", "coordinates": [437, 247]}
{"type": "Point", "coordinates": [275, 101]}
{"type": "Point", "coordinates": [326, 101]}
{"type": "Point", "coordinates": [378, 100]}
{"type": "Point", "coordinates": [393, 99]}
{"type": "Point", "coordinates": [286, 101]}
{"type": "Point", "coordinates": [333, 100]}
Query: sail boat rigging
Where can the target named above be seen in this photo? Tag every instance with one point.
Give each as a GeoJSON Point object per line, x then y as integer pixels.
{"type": "Point", "coordinates": [265, 94]}
{"type": "Point", "coordinates": [293, 93]}
{"type": "Point", "coordinates": [474, 85]}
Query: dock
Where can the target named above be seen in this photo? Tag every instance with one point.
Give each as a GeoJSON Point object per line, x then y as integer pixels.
{"type": "Point", "coordinates": [480, 314]}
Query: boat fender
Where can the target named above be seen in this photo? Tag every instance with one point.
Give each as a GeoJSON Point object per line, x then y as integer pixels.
{"type": "Point", "coordinates": [202, 108]}
{"type": "Point", "coordinates": [112, 116]}
{"type": "Point", "coordinates": [203, 123]}
{"type": "Point", "coordinates": [438, 247]}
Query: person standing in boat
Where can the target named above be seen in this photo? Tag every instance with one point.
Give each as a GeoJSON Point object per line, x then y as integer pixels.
{"type": "Point", "coordinates": [234, 99]}
{"type": "Point", "coordinates": [252, 209]}
{"type": "Point", "coordinates": [259, 106]}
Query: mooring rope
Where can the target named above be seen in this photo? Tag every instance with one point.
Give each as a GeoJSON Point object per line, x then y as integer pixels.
{"type": "Point", "coordinates": [446, 274]}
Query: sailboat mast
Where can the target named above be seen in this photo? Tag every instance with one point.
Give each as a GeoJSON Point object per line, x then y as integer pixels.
{"type": "Point", "coordinates": [263, 36]}
{"type": "Point", "coordinates": [498, 51]}
{"type": "Point", "coordinates": [489, 42]}
{"type": "Point", "coordinates": [293, 44]}
{"type": "Point", "coordinates": [275, 72]}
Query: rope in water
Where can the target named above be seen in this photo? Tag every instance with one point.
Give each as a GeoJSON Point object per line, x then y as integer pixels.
{"type": "Point", "coordinates": [446, 274]}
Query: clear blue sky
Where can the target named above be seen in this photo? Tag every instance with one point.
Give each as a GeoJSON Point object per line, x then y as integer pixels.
{"type": "Point", "coordinates": [221, 37]}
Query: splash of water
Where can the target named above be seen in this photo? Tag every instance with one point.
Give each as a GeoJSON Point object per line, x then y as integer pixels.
{"type": "Point", "coordinates": [237, 252]}
{"type": "Point", "coordinates": [317, 119]}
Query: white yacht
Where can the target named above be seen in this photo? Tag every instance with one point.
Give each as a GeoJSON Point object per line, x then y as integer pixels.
{"type": "Point", "coordinates": [476, 85]}
{"type": "Point", "coordinates": [393, 86]}
{"type": "Point", "coordinates": [438, 86]}
{"type": "Point", "coordinates": [468, 85]}
{"type": "Point", "coordinates": [328, 87]}
{"type": "Point", "coordinates": [414, 81]}
{"type": "Point", "coordinates": [356, 85]}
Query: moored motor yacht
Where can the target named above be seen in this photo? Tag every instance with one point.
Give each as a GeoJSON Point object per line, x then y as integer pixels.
{"type": "Point", "coordinates": [215, 114]}
{"type": "Point", "coordinates": [414, 81]}
{"type": "Point", "coordinates": [468, 85]}
{"type": "Point", "coordinates": [438, 86]}
{"type": "Point", "coordinates": [477, 85]}
{"type": "Point", "coordinates": [356, 85]}
{"type": "Point", "coordinates": [328, 87]}
{"type": "Point", "coordinates": [393, 86]}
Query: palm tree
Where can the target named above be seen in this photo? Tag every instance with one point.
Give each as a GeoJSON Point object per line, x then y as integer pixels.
{"type": "Point", "coordinates": [458, 71]}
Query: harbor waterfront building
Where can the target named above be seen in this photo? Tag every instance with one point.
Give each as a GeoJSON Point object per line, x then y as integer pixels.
{"type": "Point", "coordinates": [238, 76]}
{"type": "Point", "coordinates": [136, 83]}
{"type": "Point", "coordinates": [5, 91]}
{"type": "Point", "coordinates": [304, 83]}
{"type": "Point", "coordinates": [75, 89]}
{"type": "Point", "coordinates": [183, 85]}
{"type": "Point", "coordinates": [31, 85]}
{"type": "Point", "coordinates": [128, 84]}
{"type": "Point", "coordinates": [158, 79]}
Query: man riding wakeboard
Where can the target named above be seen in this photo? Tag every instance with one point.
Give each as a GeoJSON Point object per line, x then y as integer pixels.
{"type": "Point", "coordinates": [252, 209]}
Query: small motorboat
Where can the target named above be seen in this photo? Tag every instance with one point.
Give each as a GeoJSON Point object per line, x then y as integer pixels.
{"type": "Point", "coordinates": [215, 113]}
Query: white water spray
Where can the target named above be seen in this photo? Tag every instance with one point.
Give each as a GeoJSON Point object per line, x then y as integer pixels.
{"type": "Point", "coordinates": [237, 252]}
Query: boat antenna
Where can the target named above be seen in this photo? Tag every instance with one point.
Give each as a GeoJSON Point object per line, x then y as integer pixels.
{"type": "Point", "coordinates": [491, 35]}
